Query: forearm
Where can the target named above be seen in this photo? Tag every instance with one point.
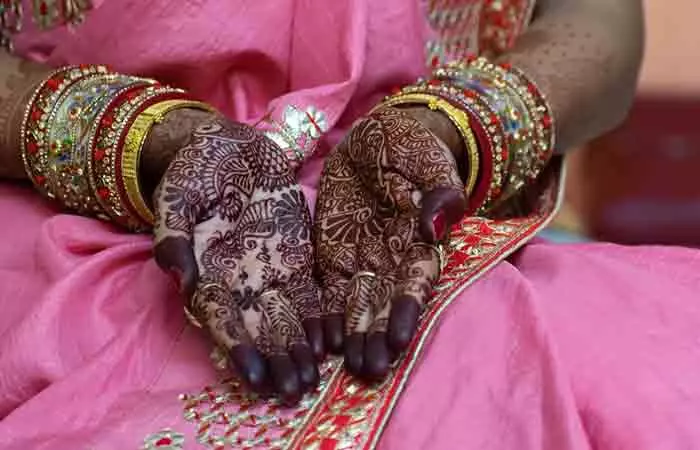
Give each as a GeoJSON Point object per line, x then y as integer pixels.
{"type": "Point", "coordinates": [585, 56]}
{"type": "Point", "coordinates": [18, 80]}
{"type": "Point", "coordinates": [163, 142]}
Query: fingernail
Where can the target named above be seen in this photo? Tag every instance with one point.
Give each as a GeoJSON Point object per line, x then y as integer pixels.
{"type": "Point", "coordinates": [177, 276]}
{"type": "Point", "coordinates": [439, 224]}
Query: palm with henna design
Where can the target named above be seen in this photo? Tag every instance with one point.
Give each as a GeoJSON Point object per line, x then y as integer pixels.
{"type": "Point", "coordinates": [234, 227]}
{"type": "Point", "coordinates": [374, 232]}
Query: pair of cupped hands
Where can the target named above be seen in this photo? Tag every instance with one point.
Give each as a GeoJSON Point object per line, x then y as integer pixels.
{"type": "Point", "coordinates": [276, 290]}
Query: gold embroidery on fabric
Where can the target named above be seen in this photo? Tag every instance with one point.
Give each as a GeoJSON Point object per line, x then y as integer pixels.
{"type": "Point", "coordinates": [47, 14]}
{"type": "Point", "coordinates": [468, 27]}
{"type": "Point", "coordinates": [166, 439]}
{"type": "Point", "coordinates": [346, 414]}
{"type": "Point", "coordinates": [502, 21]}
{"type": "Point", "coordinates": [11, 15]}
{"type": "Point", "coordinates": [455, 24]}
{"type": "Point", "coordinates": [467, 259]}
{"type": "Point", "coordinates": [226, 416]}
{"type": "Point", "coordinates": [51, 13]}
{"type": "Point", "coordinates": [298, 132]}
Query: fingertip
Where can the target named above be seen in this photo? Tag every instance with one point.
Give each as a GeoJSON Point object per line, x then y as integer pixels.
{"type": "Point", "coordinates": [306, 365]}
{"type": "Point", "coordinates": [314, 335]}
{"type": "Point", "coordinates": [175, 255]}
{"type": "Point", "coordinates": [250, 365]}
{"type": "Point", "coordinates": [354, 353]}
{"type": "Point", "coordinates": [377, 360]}
{"type": "Point", "coordinates": [333, 332]}
{"type": "Point", "coordinates": [286, 379]}
{"type": "Point", "coordinates": [441, 208]}
{"type": "Point", "coordinates": [403, 322]}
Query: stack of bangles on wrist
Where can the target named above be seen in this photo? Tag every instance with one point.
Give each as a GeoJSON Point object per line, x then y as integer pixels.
{"type": "Point", "coordinates": [82, 137]}
{"type": "Point", "coordinates": [503, 118]}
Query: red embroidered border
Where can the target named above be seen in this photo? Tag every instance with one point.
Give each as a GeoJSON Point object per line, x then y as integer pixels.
{"type": "Point", "coordinates": [359, 414]}
{"type": "Point", "coordinates": [501, 22]}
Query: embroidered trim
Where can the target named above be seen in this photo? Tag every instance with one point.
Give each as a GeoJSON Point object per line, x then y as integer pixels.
{"type": "Point", "coordinates": [477, 245]}
{"type": "Point", "coordinates": [297, 133]}
{"type": "Point", "coordinates": [455, 24]}
{"type": "Point", "coordinates": [345, 413]}
{"type": "Point", "coordinates": [47, 14]}
{"type": "Point", "coordinates": [52, 13]}
{"type": "Point", "coordinates": [464, 27]}
{"type": "Point", "coordinates": [166, 439]}
{"type": "Point", "coordinates": [226, 416]}
{"type": "Point", "coordinates": [502, 21]}
{"type": "Point", "coordinates": [11, 18]}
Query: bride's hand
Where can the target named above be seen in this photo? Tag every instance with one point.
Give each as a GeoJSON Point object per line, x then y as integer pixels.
{"type": "Point", "coordinates": [234, 228]}
{"type": "Point", "coordinates": [388, 193]}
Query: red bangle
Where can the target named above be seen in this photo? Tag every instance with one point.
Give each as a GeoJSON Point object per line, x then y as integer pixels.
{"type": "Point", "coordinates": [35, 146]}
{"type": "Point", "coordinates": [106, 171]}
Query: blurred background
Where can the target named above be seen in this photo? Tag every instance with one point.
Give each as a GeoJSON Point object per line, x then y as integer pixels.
{"type": "Point", "coordinates": [641, 183]}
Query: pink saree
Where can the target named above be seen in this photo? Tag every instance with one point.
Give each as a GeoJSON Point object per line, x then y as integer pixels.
{"type": "Point", "coordinates": [554, 347]}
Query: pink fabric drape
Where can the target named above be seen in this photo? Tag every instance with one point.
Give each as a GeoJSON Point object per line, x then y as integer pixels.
{"type": "Point", "coordinates": [564, 347]}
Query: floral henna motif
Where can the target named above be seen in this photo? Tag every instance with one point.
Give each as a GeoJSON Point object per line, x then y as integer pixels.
{"type": "Point", "coordinates": [302, 288]}
{"type": "Point", "coordinates": [288, 210]}
{"type": "Point", "coordinates": [280, 328]}
{"type": "Point", "coordinates": [231, 194]}
{"type": "Point", "coordinates": [366, 233]}
{"type": "Point", "coordinates": [371, 295]}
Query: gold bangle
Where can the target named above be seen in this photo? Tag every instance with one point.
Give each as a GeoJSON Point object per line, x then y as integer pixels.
{"type": "Point", "coordinates": [458, 117]}
{"type": "Point", "coordinates": [133, 146]}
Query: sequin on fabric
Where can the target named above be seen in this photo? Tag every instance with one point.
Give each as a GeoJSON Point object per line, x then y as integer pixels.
{"type": "Point", "coordinates": [46, 14]}
{"type": "Point", "coordinates": [298, 131]}
{"type": "Point", "coordinates": [467, 27]}
{"type": "Point", "coordinates": [344, 413]}
{"type": "Point", "coordinates": [166, 439]}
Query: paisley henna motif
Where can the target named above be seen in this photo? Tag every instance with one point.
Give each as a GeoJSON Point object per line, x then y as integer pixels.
{"type": "Point", "coordinates": [375, 188]}
{"type": "Point", "coordinates": [231, 196]}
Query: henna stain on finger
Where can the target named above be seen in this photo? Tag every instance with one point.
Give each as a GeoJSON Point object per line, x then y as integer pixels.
{"type": "Point", "coordinates": [230, 191]}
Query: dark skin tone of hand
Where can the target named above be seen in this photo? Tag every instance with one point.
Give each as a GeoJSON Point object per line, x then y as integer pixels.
{"type": "Point", "coordinates": [584, 55]}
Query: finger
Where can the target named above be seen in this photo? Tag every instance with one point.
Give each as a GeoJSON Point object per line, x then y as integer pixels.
{"type": "Point", "coordinates": [333, 333]}
{"type": "Point", "coordinates": [285, 378]}
{"type": "Point", "coordinates": [277, 330]}
{"type": "Point", "coordinates": [440, 209]}
{"type": "Point", "coordinates": [307, 368]}
{"type": "Point", "coordinates": [354, 353]}
{"type": "Point", "coordinates": [305, 296]}
{"type": "Point", "coordinates": [177, 205]}
{"type": "Point", "coordinates": [377, 359]}
{"type": "Point", "coordinates": [175, 256]}
{"type": "Point", "coordinates": [333, 302]}
{"type": "Point", "coordinates": [403, 322]}
{"type": "Point", "coordinates": [365, 355]}
{"type": "Point", "coordinates": [418, 272]}
{"type": "Point", "coordinates": [314, 334]}
{"type": "Point", "coordinates": [249, 364]}
{"type": "Point", "coordinates": [214, 307]}
{"type": "Point", "coordinates": [358, 317]}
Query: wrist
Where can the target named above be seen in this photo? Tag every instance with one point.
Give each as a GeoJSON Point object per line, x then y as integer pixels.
{"type": "Point", "coordinates": [20, 84]}
{"type": "Point", "coordinates": [446, 131]}
{"type": "Point", "coordinates": [163, 142]}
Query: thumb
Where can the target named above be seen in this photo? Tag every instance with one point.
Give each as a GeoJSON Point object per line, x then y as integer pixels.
{"type": "Point", "coordinates": [441, 208]}
{"type": "Point", "coordinates": [175, 256]}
